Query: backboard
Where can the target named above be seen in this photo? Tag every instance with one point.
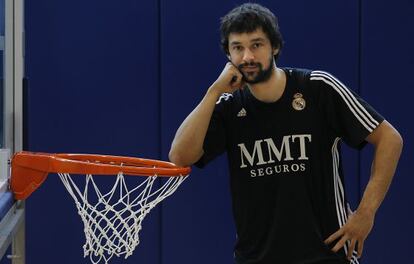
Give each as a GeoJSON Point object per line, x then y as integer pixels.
{"type": "Point", "coordinates": [11, 125]}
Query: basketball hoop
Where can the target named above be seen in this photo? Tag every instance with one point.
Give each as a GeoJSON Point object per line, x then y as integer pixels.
{"type": "Point", "coordinates": [112, 219]}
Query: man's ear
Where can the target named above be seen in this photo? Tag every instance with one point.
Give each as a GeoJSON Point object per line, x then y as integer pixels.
{"type": "Point", "coordinates": [229, 57]}
{"type": "Point", "coordinates": [275, 51]}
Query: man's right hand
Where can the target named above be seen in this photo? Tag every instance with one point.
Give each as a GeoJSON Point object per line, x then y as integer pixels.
{"type": "Point", "coordinates": [229, 80]}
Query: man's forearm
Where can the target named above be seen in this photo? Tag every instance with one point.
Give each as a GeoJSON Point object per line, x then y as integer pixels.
{"type": "Point", "coordinates": [187, 146]}
{"type": "Point", "coordinates": [388, 147]}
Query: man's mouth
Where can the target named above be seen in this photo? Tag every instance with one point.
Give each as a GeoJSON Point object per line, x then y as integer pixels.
{"type": "Point", "coordinates": [250, 68]}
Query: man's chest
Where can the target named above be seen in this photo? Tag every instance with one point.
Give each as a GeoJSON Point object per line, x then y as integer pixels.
{"type": "Point", "coordinates": [285, 123]}
{"type": "Point", "coordinates": [280, 140]}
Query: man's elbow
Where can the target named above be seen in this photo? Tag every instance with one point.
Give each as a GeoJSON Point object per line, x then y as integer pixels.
{"type": "Point", "coordinates": [183, 158]}
{"type": "Point", "coordinates": [178, 158]}
{"type": "Point", "coordinates": [395, 139]}
{"type": "Point", "coordinates": [175, 158]}
{"type": "Point", "coordinates": [386, 135]}
{"type": "Point", "coordinates": [398, 140]}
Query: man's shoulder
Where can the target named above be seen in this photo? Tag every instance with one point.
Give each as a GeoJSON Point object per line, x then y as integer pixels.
{"type": "Point", "coordinates": [318, 80]}
{"type": "Point", "coordinates": [298, 72]}
{"type": "Point", "coordinates": [306, 74]}
{"type": "Point", "coordinates": [300, 76]}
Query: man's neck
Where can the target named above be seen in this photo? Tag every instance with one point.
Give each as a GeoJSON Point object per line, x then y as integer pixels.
{"type": "Point", "coordinates": [271, 90]}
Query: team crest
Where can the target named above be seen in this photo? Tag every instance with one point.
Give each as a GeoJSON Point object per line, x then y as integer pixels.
{"type": "Point", "coordinates": [298, 102]}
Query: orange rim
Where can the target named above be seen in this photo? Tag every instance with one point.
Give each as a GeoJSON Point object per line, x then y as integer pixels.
{"type": "Point", "coordinates": [30, 169]}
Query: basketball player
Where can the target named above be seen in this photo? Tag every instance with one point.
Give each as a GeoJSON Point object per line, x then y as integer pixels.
{"type": "Point", "coordinates": [282, 129]}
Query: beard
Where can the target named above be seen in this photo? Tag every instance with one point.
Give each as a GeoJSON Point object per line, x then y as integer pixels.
{"type": "Point", "coordinates": [257, 77]}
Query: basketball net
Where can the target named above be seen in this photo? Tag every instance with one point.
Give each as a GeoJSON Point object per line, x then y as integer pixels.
{"type": "Point", "coordinates": [112, 220]}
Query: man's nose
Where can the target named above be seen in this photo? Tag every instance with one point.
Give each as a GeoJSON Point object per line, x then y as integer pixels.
{"type": "Point", "coordinates": [248, 56]}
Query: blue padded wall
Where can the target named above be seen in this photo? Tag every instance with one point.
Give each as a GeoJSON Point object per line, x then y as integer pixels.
{"type": "Point", "coordinates": [93, 89]}
{"type": "Point", "coordinates": [387, 64]}
{"type": "Point", "coordinates": [197, 221]}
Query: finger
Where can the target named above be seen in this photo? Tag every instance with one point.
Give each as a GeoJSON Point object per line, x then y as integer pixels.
{"type": "Point", "coordinates": [360, 248]}
{"type": "Point", "coordinates": [232, 67]}
{"type": "Point", "coordinates": [233, 79]}
{"type": "Point", "coordinates": [333, 237]}
{"type": "Point", "coordinates": [340, 244]}
{"type": "Point", "coordinates": [236, 80]}
{"type": "Point", "coordinates": [232, 64]}
{"type": "Point", "coordinates": [229, 64]}
{"type": "Point", "coordinates": [350, 212]}
{"type": "Point", "coordinates": [351, 248]}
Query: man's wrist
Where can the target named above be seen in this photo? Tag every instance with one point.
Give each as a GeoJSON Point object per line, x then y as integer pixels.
{"type": "Point", "coordinates": [214, 91]}
{"type": "Point", "coordinates": [367, 211]}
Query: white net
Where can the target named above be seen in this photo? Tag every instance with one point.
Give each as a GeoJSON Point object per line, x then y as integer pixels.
{"type": "Point", "coordinates": [112, 220]}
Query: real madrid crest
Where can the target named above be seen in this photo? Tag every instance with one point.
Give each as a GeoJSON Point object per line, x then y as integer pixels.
{"type": "Point", "coordinates": [298, 102]}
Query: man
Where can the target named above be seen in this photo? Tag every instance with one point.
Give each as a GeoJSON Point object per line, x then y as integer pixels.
{"type": "Point", "coordinates": [281, 129]}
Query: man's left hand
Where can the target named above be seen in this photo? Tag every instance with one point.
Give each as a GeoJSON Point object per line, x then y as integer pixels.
{"type": "Point", "coordinates": [354, 233]}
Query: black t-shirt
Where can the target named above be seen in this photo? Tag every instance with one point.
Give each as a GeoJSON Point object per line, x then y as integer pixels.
{"type": "Point", "coordinates": [285, 169]}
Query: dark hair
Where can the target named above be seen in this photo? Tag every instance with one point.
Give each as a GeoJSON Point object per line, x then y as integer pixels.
{"type": "Point", "coordinates": [247, 18]}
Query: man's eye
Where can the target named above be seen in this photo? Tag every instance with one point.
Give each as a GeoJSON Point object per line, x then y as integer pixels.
{"type": "Point", "coordinates": [257, 45]}
{"type": "Point", "coordinates": [237, 48]}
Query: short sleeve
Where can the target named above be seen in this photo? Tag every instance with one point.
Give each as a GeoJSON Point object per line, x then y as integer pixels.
{"type": "Point", "coordinates": [350, 117]}
{"type": "Point", "coordinates": [215, 140]}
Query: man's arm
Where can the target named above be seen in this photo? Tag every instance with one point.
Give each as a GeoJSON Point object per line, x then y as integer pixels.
{"type": "Point", "coordinates": [187, 146]}
{"type": "Point", "coordinates": [388, 146]}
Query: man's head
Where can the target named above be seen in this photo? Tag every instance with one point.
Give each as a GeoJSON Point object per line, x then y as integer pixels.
{"type": "Point", "coordinates": [248, 18]}
{"type": "Point", "coordinates": [251, 39]}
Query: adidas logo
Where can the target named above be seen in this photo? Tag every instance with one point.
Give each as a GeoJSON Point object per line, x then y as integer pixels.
{"type": "Point", "coordinates": [242, 113]}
